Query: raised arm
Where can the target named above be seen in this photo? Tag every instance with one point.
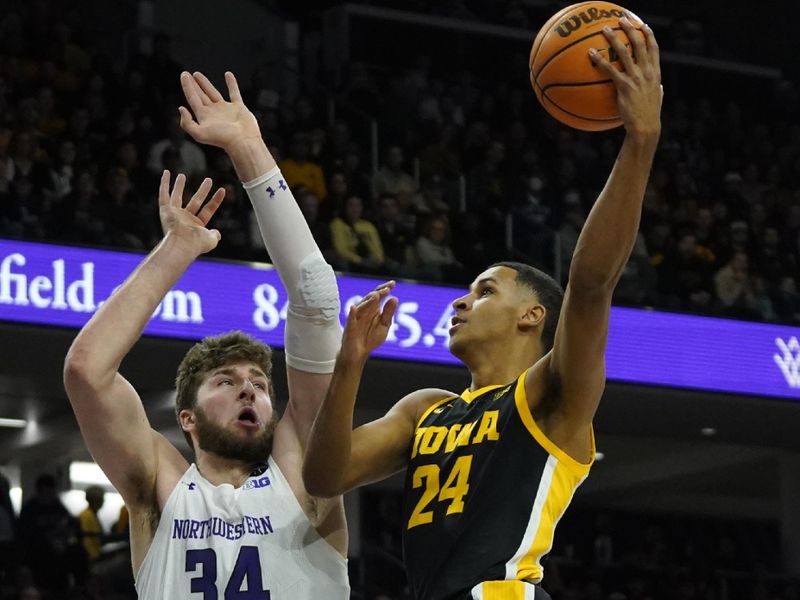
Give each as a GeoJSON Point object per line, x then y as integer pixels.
{"type": "Point", "coordinates": [575, 370]}
{"type": "Point", "coordinates": [313, 332]}
{"type": "Point", "coordinates": [337, 458]}
{"type": "Point", "coordinates": [109, 411]}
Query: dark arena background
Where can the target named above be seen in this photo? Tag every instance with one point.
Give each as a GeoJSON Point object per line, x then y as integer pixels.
{"type": "Point", "coordinates": [424, 111]}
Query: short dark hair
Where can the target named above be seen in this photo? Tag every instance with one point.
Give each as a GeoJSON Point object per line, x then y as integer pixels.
{"type": "Point", "coordinates": [214, 352]}
{"type": "Point", "coordinates": [547, 290]}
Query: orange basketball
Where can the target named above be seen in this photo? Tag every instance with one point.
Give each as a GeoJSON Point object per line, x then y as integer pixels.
{"type": "Point", "coordinates": [567, 83]}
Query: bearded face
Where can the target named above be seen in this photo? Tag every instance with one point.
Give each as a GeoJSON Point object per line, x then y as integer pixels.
{"type": "Point", "coordinates": [252, 448]}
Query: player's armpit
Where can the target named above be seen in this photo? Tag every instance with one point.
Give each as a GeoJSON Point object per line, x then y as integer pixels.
{"type": "Point", "coordinates": [137, 460]}
{"type": "Point", "coordinates": [565, 387]}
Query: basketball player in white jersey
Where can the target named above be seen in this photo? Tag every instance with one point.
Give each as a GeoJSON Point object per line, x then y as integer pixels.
{"type": "Point", "coordinates": [237, 523]}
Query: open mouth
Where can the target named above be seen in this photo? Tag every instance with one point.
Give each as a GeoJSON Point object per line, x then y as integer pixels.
{"type": "Point", "coordinates": [455, 322]}
{"type": "Point", "coordinates": [248, 417]}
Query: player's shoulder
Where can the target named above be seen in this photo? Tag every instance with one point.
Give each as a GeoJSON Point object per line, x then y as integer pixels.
{"type": "Point", "coordinates": [417, 402]}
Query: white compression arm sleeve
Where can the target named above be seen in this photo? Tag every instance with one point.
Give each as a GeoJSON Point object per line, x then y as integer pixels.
{"type": "Point", "coordinates": [313, 332]}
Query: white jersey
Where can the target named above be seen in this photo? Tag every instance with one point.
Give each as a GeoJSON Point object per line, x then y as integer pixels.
{"type": "Point", "coordinates": [247, 543]}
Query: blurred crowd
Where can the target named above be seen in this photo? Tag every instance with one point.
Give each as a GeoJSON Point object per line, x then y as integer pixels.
{"type": "Point", "coordinates": [470, 170]}
{"type": "Point", "coordinates": [48, 553]}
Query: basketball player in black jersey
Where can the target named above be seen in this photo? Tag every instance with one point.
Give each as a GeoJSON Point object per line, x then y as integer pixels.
{"type": "Point", "coordinates": [491, 471]}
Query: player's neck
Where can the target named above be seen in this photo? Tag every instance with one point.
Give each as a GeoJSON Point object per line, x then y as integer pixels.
{"type": "Point", "coordinates": [218, 470]}
{"type": "Point", "coordinates": [499, 369]}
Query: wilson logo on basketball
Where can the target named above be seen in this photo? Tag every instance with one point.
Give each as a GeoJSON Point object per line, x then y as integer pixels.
{"type": "Point", "coordinates": [587, 17]}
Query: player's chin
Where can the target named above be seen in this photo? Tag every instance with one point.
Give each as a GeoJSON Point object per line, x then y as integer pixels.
{"type": "Point", "coordinates": [456, 345]}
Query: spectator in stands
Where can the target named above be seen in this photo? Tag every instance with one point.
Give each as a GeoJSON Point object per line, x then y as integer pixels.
{"type": "Point", "coordinates": [487, 188]}
{"type": "Point", "coordinates": [736, 288]}
{"type": "Point", "coordinates": [49, 121]}
{"type": "Point", "coordinates": [77, 214]}
{"type": "Point", "coordinates": [49, 538]}
{"type": "Point", "coordinates": [685, 276]}
{"type": "Point", "coordinates": [337, 141]}
{"type": "Point", "coordinates": [338, 192]}
{"type": "Point", "coordinates": [122, 526]}
{"type": "Point", "coordinates": [352, 164]}
{"type": "Point", "coordinates": [127, 158]}
{"type": "Point", "coordinates": [25, 160]}
{"type": "Point", "coordinates": [786, 301]}
{"type": "Point", "coordinates": [92, 535]}
{"type": "Point", "coordinates": [355, 240]}
{"type": "Point", "coordinates": [8, 523]}
{"type": "Point", "coordinates": [62, 171]}
{"type": "Point", "coordinates": [532, 212]}
{"type": "Point", "coordinates": [306, 119]}
{"type": "Point", "coordinates": [441, 156]}
{"type": "Point", "coordinates": [436, 258]}
{"type": "Point", "coordinates": [299, 170]}
{"type": "Point", "coordinates": [129, 224]}
{"type": "Point", "coordinates": [433, 198]}
{"type": "Point", "coordinates": [570, 229]}
{"type": "Point", "coordinates": [193, 159]}
{"type": "Point", "coordinates": [397, 236]}
{"type": "Point", "coordinates": [392, 178]}
{"type": "Point", "coordinates": [310, 207]}
{"type": "Point", "coordinates": [235, 221]}
{"type": "Point", "coordinates": [638, 283]}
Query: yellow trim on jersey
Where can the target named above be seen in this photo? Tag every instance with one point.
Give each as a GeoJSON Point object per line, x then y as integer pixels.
{"type": "Point", "coordinates": [521, 400]}
{"type": "Point", "coordinates": [469, 396]}
{"type": "Point", "coordinates": [502, 590]}
{"type": "Point", "coordinates": [559, 494]}
{"type": "Point", "coordinates": [431, 408]}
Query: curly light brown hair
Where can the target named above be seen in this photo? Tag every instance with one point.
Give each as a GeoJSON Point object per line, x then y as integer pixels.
{"type": "Point", "coordinates": [214, 352]}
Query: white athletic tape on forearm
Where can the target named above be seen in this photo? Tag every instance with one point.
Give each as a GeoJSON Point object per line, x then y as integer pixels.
{"type": "Point", "coordinates": [313, 333]}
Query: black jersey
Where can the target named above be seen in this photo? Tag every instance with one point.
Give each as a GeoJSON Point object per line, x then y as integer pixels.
{"type": "Point", "coordinates": [484, 491]}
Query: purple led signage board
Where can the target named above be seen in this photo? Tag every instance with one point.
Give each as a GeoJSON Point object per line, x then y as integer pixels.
{"type": "Point", "coordinates": [60, 285]}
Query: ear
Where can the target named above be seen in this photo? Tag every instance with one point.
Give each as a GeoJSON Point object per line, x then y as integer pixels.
{"type": "Point", "coordinates": [532, 317]}
{"type": "Point", "coordinates": [186, 418]}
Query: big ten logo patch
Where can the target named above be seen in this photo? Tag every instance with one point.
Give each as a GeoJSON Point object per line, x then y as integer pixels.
{"type": "Point", "coordinates": [261, 482]}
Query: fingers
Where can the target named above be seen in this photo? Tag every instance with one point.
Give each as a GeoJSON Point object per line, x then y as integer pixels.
{"type": "Point", "coordinates": [176, 197]}
{"type": "Point", "coordinates": [233, 87]}
{"type": "Point", "coordinates": [207, 87]}
{"type": "Point", "coordinates": [387, 286]}
{"type": "Point", "coordinates": [211, 207]}
{"type": "Point", "coordinates": [618, 46]}
{"type": "Point", "coordinates": [197, 199]}
{"type": "Point", "coordinates": [192, 92]}
{"type": "Point", "coordinates": [188, 124]}
{"type": "Point", "coordinates": [653, 50]}
{"type": "Point", "coordinates": [387, 314]}
{"type": "Point", "coordinates": [637, 43]}
{"type": "Point", "coordinates": [370, 305]}
{"type": "Point", "coordinates": [163, 189]}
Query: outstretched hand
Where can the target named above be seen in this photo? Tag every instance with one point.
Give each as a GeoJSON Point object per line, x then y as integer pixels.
{"type": "Point", "coordinates": [368, 323]}
{"type": "Point", "coordinates": [214, 120]}
{"type": "Point", "coordinates": [639, 91]}
{"type": "Point", "coordinates": [189, 223]}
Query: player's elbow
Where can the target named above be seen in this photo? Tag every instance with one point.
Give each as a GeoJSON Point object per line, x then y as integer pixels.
{"type": "Point", "coordinates": [590, 277]}
{"type": "Point", "coordinates": [79, 373]}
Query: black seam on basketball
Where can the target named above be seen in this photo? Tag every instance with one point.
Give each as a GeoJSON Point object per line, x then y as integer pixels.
{"type": "Point", "coordinates": [567, 47]}
{"type": "Point", "coordinates": [567, 9]}
{"type": "Point", "coordinates": [577, 116]}
{"type": "Point", "coordinates": [574, 84]}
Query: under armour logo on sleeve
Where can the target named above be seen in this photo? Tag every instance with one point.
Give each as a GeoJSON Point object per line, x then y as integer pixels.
{"type": "Point", "coordinates": [271, 192]}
